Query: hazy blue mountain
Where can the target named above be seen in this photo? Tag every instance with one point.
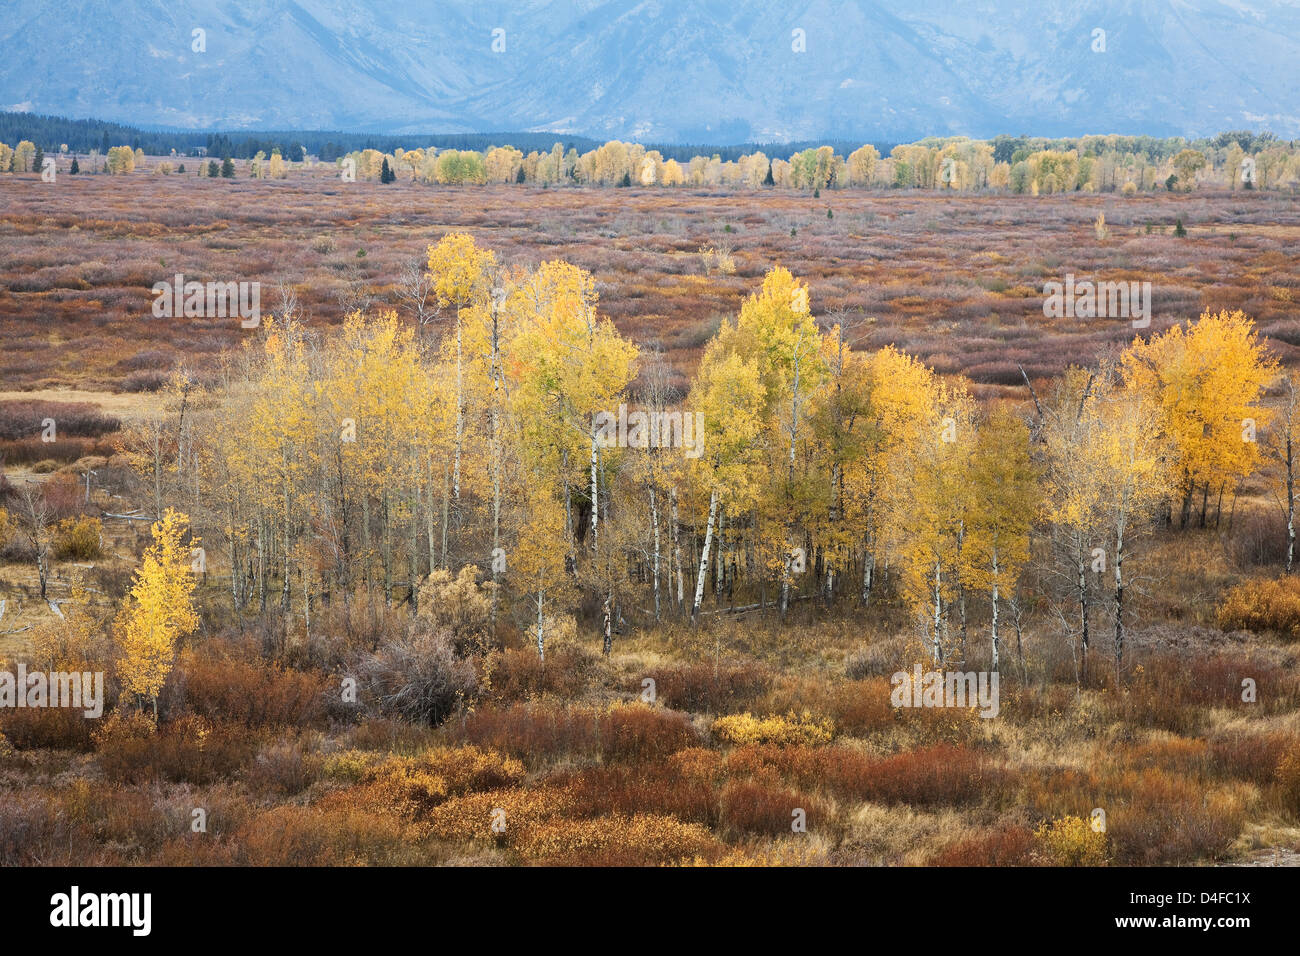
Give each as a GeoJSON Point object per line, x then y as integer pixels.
{"type": "Point", "coordinates": [689, 71]}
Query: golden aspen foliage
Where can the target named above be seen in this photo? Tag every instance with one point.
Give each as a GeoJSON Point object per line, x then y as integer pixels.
{"type": "Point", "coordinates": [1206, 380]}
{"type": "Point", "coordinates": [158, 611]}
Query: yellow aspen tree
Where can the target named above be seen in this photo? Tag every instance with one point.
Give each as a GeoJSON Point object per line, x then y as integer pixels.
{"type": "Point", "coordinates": [902, 398]}
{"type": "Point", "coordinates": [1207, 380]}
{"type": "Point", "coordinates": [461, 277]}
{"type": "Point", "coordinates": [1005, 499]}
{"type": "Point", "coordinates": [1076, 491]}
{"type": "Point", "coordinates": [932, 507]}
{"type": "Point", "coordinates": [158, 612]}
{"type": "Point", "coordinates": [728, 395]}
{"type": "Point", "coordinates": [1132, 477]}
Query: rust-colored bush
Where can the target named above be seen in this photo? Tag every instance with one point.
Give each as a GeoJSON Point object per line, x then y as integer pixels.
{"type": "Point", "coordinates": [1006, 846]}
{"type": "Point", "coordinates": [1243, 755]}
{"type": "Point", "coordinates": [942, 774]}
{"type": "Point", "coordinates": [700, 688]}
{"type": "Point", "coordinates": [539, 732]}
{"type": "Point", "coordinates": [1268, 606]}
{"type": "Point", "coordinates": [753, 806]}
{"type": "Point", "coordinates": [255, 693]}
{"type": "Point", "coordinates": [517, 674]}
{"type": "Point", "coordinates": [190, 749]}
{"type": "Point", "coordinates": [643, 839]}
{"type": "Point", "coordinates": [655, 788]}
{"type": "Point", "coordinates": [862, 707]}
{"type": "Point", "coordinates": [60, 728]}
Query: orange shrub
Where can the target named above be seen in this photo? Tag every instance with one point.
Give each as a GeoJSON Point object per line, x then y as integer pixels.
{"type": "Point", "coordinates": [653, 788]}
{"type": "Point", "coordinates": [535, 731]}
{"type": "Point", "coordinates": [303, 836]}
{"type": "Point", "coordinates": [517, 673]}
{"type": "Point", "coordinates": [942, 774]}
{"type": "Point", "coordinates": [702, 688]}
{"type": "Point", "coordinates": [59, 728]}
{"type": "Point", "coordinates": [1288, 780]}
{"type": "Point", "coordinates": [1248, 756]}
{"type": "Point", "coordinates": [862, 707]}
{"type": "Point", "coordinates": [190, 749]}
{"type": "Point", "coordinates": [840, 770]}
{"type": "Point", "coordinates": [1153, 817]}
{"type": "Point", "coordinates": [471, 816]}
{"type": "Point", "coordinates": [254, 693]}
{"type": "Point", "coordinates": [644, 839]}
{"type": "Point", "coordinates": [1010, 846]}
{"type": "Point", "coordinates": [1263, 607]}
{"type": "Point", "coordinates": [414, 785]}
{"type": "Point", "coordinates": [751, 806]}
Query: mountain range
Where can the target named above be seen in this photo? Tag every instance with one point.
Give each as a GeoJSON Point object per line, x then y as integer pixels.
{"type": "Point", "coordinates": [716, 71]}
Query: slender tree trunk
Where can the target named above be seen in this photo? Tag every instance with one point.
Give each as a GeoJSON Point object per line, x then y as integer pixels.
{"type": "Point", "coordinates": [1083, 622]}
{"type": "Point", "coordinates": [676, 545]}
{"type": "Point", "coordinates": [704, 556]}
{"type": "Point", "coordinates": [654, 523]}
{"type": "Point", "coordinates": [460, 414]}
{"type": "Point", "coordinates": [868, 572]}
{"type": "Point", "coordinates": [1119, 599]}
{"type": "Point", "coordinates": [937, 648]}
{"type": "Point", "coordinates": [995, 610]}
{"type": "Point", "coordinates": [1290, 505]}
{"type": "Point", "coordinates": [595, 491]}
{"type": "Point", "coordinates": [541, 631]}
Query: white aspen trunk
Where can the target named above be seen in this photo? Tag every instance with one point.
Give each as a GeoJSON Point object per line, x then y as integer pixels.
{"type": "Point", "coordinates": [460, 415]}
{"type": "Point", "coordinates": [1119, 592]}
{"type": "Point", "coordinates": [595, 491]}
{"type": "Point", "coordinates": [868, 574]}
{"type": "Point", "coordinates": [704, 556]}
{"type": "Point", "coordinates": [676, 549]}
{"type": "Point", "coordinates": [541, 632]}
{"type": "Point", "coordinates": [654, 523]}
{"type": "Point", "coordinates": [938, 613]}
{"type": "Point", "coordinates": [995, 609]}
{"type": "Point", "coordinates": [429, 523]}
{"type": "Point", "coordinates": [1290, 505]}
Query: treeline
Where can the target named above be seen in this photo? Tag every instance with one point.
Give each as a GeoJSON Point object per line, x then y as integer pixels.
{"type": "Point", "coordinates": [1237, 159]}
{"type": "Point", "coordinates": [534, 443]}
{"type": "Point", "coordinates": [81, 136]}
{"type": "Point", "coordinates": [1093, 164]}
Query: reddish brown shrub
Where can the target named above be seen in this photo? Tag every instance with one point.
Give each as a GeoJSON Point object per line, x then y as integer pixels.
{"type": "Point", "coordinates": [255, 693]}
{"type": "Point", "coordinates": [517, 674]}
{"type": "Point", "coordinates": [1247, 756]}
{"type": "Point", "coordinates": [702, 688]}
{"type": "Point", "coordinates": [190, 749]}
{"type": "Point", "coordinates": [942, 774]}
{"type": "Point", "coordinates": [632, 732]}
{"type": "Point", "coordinates": [59, 728]}
{"type": "Point", "coordinates": [1010, 846]}
{"type": "Point", "coordinates": [752, 806]}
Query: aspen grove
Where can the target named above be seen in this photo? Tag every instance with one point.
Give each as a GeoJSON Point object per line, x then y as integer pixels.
{"type": "Point", "coordinates": [343, 468]}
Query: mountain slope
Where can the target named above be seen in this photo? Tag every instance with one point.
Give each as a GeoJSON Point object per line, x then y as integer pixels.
{"type": "Point", "coordinates": [707, 70]}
